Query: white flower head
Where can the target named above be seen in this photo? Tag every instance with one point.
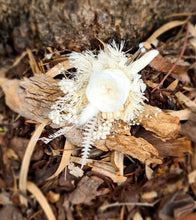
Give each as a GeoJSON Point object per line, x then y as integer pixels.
{"type": "Point", "coordinates": [105, 92]}
{"type": "Point", "coordinates": [107, 88]}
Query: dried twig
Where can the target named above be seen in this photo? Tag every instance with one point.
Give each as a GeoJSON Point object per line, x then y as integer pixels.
{"type": "Point", "coordinates": [129, 203]}
{"type": "Point", "coordinates": [174, 65]}
{"type": "Point", "coordinates": [163, 29]}
{"type": "Point", "coordinates": [181, 14]}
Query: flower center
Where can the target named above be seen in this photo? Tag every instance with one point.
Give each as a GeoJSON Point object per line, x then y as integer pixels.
{"type": "Point", "coordinates": [109, 89]}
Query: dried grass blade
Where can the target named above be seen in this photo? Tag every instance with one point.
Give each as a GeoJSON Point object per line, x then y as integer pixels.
{"type": "Point", "coordinates": [33, 63]}
{"type": "Point", "coordinates": [32, 188]}
{"type": "Point", "coordinates": [145, 204]}
{"type": "Point", "coordinates": [181, 14]}
{"type": "Point", "coordinates": [89, 162]}
{"type": "Point", "coordinates": [57, 69]}
{"type": "Point", "coordinates": [64, 160]}
{"type": "Point", "coordinates": [26, 160]}
{"type": "Point", "coordinates": [163, 29]}
{"type": "Point", "coordinates": [105, 45]}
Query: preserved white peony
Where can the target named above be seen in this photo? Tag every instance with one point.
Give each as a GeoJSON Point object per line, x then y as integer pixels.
{"type": "Point", "coordinates": [106, 88]}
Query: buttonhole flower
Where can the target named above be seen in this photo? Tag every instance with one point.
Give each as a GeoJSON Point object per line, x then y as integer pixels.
{"type": "Point", "coordinates": [105, 90]}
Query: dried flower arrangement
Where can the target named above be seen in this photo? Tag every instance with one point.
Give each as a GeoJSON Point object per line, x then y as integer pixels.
{"type": "Point", "coordinates": [105, 89]}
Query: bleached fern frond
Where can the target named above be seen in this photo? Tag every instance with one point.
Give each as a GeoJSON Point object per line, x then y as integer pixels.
{"type": "Point", "coordinates": [88, 139]}
{"type": "Point", "coordinates": [55, 135]}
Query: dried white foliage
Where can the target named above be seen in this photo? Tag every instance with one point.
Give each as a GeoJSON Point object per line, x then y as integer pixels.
{"type": "Point", "coordinates": [104, 90]}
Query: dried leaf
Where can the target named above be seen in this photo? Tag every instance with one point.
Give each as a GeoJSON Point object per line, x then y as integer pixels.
{"type": "Point", "coordinates": [86, 190]}
{"type": "Point", "coordinates": [163, 65]}
{"type": "Point", "coordinates": [53, 197]}
{"type": "Point", "coordinates": [10, 212]}
{"type": "Point", "coordinates": [35, 191]}
{"type": "Point", "coordinates": [173, 85]}
{"type": "Point", "coordinates": [19, 144]}
{"type": "Point", "coordinates": [12, 155]}
{"type": "Point", "coordinates": [64, 159]}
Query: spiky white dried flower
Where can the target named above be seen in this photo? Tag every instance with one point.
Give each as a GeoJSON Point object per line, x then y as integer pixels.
{"type": "Point", "coordinates": [107, 88]}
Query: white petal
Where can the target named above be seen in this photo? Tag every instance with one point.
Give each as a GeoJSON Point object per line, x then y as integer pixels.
{"type": "Point", "coordinates": [142, 62]}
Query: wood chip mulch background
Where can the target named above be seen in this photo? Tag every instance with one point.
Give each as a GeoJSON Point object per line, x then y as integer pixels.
{"type": "Point", "coordinates": [163, 188]}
